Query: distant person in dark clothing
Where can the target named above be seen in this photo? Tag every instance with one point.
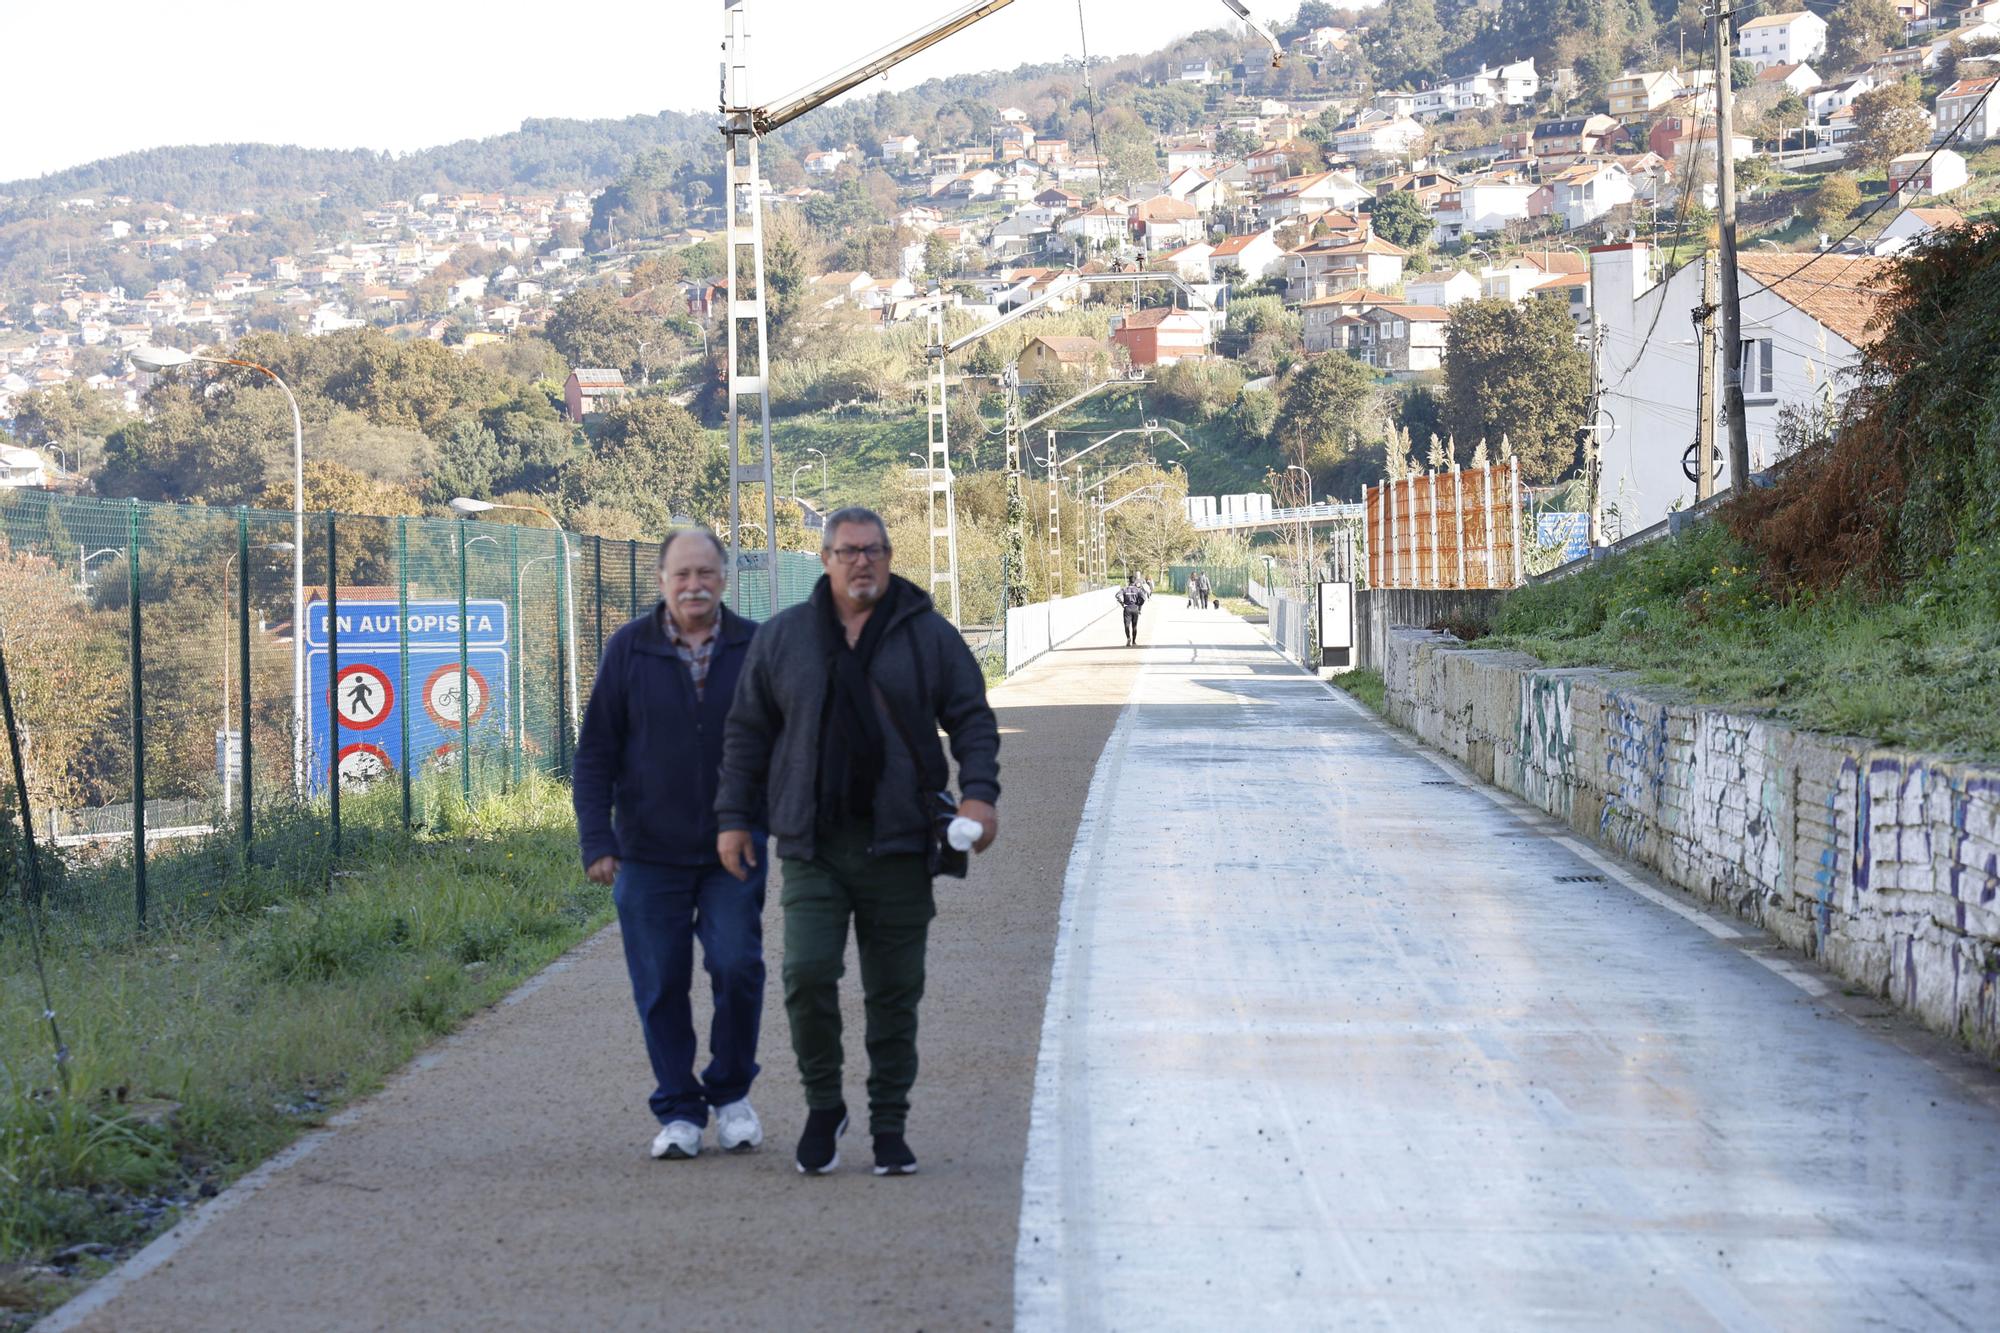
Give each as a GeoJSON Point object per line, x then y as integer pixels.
{"type": "Point", "coordinates": [1131, 599]}
{"type": "Point", "coordinates": [1202, 589]}
{"type": "Point", "coordinates": [835, 729]}
{"type": "Point", "coordinates": [645, 781]}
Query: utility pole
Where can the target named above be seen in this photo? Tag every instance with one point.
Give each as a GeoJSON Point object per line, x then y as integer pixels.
{"type": "Point", "coordinates": [1732, 301]}
{"type": "Point", "coordinates": [1704, 438]}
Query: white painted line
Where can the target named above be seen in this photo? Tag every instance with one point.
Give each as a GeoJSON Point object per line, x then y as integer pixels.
{"type": "Point", "coordinates": [1042, 1294]}
{"type": "Point", "coordinates": [1722, 930]}
{"type": "Point", "coordinates": [1804, 980]}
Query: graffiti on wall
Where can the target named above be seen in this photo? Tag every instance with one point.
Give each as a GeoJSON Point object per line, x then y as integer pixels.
{"type": "Point", "coordinates": [1635, 769]}
{"type": "Point", "coordinates": [1545, 743]}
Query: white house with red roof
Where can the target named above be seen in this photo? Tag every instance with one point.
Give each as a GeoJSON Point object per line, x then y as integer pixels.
{"type": "Point", "coordinates": [1247, 258]}
{"type": "Point", "coordinates": [1974, 102]}
{"type": "Point", "coordinates": [1805, 319]}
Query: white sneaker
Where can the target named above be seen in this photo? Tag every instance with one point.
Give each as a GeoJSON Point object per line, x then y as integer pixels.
{"type": "Point", "coordinates": [677, 1139]}
{"type": "Point", "coordinates": [737, 1128]}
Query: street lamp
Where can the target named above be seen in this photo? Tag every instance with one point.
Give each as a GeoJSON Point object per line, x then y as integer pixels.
{"type": "Point", "coordinates": [83, 564]}
{"type": "Point", "coordinates": [822, 476]}
{"type": "Point", "coordinates": [156, 360]}
{"type": "Point", "coordinates": [465, 507]}
{"type": "Point", "coordinates": [1305, 528]}
{"type": "Point", "coordinates": [795, 478]}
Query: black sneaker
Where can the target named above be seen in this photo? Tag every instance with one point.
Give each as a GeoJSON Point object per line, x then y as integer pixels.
{"type": "Point", "coordinates": [819, 1146]}
{"type": "Point", "coordinates": [893, 1156]}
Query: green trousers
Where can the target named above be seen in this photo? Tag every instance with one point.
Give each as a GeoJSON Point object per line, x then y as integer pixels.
{"type": "Point", "coordinates": [889, 900]}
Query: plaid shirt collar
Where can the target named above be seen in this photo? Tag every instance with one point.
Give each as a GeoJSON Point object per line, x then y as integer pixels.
{"type": "Point", "coordinates": [696, 655]}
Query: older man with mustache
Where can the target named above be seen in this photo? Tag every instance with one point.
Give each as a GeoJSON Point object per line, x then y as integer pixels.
{"type": "Point", "coordinates": [645, 784]}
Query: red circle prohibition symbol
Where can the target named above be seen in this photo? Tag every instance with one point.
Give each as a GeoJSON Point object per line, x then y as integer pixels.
{"type": "Point", "coordinates": [358, 688]}
{"type": "Point", "coordinates": [443, 705]}
{"type": "Point", "coordinates": [366, 752]}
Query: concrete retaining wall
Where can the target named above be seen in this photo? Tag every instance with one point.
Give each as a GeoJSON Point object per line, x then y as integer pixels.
{"type": "Point", "coordinates": [1882, 864]}
{"type": "Point", "coordinates": [1379, 610]}
{"type": "Point", "coordinates": [1033, 630]}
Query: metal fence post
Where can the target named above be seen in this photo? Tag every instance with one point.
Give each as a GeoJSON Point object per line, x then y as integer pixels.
{"type": "Point", "coordinates": [632, 572]}
{"type": "Point", "coordinates": [597, 594]}
{"type": "Point", "coordinates": [137, 655]}
{"type": "Point", "coordinates": [565, 616]}
{"type": "Point", "coordinates": [403, 657]}
{"type": "Point", "coordinates": [464, 679]}
{"type": "Point", "coordinates": [243, 665]}
{"type": "Point", "coordinates": [517, 725]}
{"type": "Point", "coordinates": [333, 680]}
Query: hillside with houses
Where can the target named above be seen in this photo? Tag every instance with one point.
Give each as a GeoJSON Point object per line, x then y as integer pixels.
{"type": "Point", "coordinates": [1498, 230]}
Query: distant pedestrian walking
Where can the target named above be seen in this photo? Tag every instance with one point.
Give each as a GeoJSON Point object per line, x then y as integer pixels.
{"type": "Point", "coordinates": [835, 725]}
{"type": "Point", "coordinates": [645, 780]}
{"type": "Point", "coordinates": [1131, 599]}
{"type": "Point", "coordinates": [1202, 588]}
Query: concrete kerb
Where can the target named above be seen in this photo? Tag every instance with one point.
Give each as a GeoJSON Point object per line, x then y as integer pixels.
{"type": "Point", "coordinates": [162, 1249]}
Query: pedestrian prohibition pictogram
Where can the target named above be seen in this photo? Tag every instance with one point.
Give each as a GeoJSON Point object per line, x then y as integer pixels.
{"type": "Point", "coordinates": [362, 696]}
{"type": "Point", "coordinates": [442, 695]}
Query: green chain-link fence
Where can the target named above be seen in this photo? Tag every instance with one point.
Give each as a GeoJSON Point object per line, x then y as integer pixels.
{"type": "Point", "coordinates": [167, 702]}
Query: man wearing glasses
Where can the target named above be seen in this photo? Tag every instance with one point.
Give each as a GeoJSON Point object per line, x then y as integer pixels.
{"type": "Point", "coordinates": [834, 732]}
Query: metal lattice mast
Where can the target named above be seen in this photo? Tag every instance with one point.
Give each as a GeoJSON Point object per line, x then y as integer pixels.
{"type": "Point", "coordinates": [945, 531]}
{"type": "Point", "coordinates": [744, 243]}
{"type": "Point", "coordinates": [1055, 520]}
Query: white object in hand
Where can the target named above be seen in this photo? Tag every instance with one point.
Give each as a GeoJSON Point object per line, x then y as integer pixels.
{"type": "Point", "coordinates": [961, 833]}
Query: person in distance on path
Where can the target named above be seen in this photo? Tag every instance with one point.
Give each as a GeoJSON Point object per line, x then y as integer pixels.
{"type": "Point", "coordinates": [1132, 599]}
{"type": "Point", "coordinates": [644, 784]}
{"type": "Point", "coordinates": [834, 730]}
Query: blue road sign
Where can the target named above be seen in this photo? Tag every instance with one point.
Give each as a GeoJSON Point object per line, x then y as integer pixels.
{"type": "Point", "coordinates": [374, 696]}
{"type": "Point", "coordinates": [1567, 530]}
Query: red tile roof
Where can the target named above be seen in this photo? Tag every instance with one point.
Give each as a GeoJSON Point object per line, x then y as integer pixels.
{"type": "Point", "coordinates": [1842, 292]}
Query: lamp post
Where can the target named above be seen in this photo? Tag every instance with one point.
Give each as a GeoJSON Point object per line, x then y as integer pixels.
{"type": "Point", "coordinates": [822, 477]}
{"type": "Point", "coordinates": [1304, 528]}
{"type": "Point", "coordinates": [155, 360]}
{"type": "Point", "coordinates": [83, 564]}
{"type": "Point", "coordinates": [465, 507]}
{"type": "Point", "coordinates": [795, 478]}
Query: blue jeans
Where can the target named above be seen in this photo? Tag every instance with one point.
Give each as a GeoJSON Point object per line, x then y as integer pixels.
{"type": "Point", "coordinates": [662, 910]}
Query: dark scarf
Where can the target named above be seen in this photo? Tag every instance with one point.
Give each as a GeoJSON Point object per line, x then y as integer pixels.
{"type": "Point", "coordinates": [851, 752]}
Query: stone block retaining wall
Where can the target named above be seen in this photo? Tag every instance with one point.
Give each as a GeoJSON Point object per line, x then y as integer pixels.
{"type": "Point", "coordinates": [1882, 864]}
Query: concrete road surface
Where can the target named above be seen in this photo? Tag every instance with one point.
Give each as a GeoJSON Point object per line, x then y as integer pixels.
{"type": "Point", "coordinates": [504, 1182]}
{"type": "Point", "coordinates": [1337, 1041]}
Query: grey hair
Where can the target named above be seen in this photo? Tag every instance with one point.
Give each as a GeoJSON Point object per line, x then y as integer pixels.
{"type": "Point", "coordinates": [851, 514]}
{"type": "Point", "coordinates": [674, 534]}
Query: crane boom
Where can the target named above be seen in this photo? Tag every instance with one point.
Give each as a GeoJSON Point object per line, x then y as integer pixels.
{"type": "Point", "coordinates": [1242, 11]}
{"type": "Point", "coordinates": [765, 119]}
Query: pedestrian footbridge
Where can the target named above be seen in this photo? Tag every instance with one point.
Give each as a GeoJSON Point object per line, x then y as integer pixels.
{"type": "Point", "coordinates": [1257, 1016]}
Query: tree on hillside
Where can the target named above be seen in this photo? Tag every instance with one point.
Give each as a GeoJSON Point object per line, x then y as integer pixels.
{"type": "Point", "coordinates": [1407, 48]}
{"type": "Point", "coordinates": [1836, 198]}
{"type": "Point", "coordinates": [1330, 410]}
{"type": "Point", "coordinates": [592, 327]}
{"type": "Point", "coordinates": [1400, 219]}
{"type": "Point", "coordinates": [652, 461]}
{"type": "Point", "coordinates": [1859, 30]}
{"type": "Point", "coordinates": [1516, 371]}
{"type": "Point", "coordinates": [1891, 121]}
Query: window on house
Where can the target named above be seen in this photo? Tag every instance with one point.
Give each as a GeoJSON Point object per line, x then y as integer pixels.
{"type": "Point", "coordinates": [1755, 367]}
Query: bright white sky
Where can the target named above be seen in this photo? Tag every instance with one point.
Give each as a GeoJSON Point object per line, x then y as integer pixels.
{"type": "Point", "coordinates": [390, 74]}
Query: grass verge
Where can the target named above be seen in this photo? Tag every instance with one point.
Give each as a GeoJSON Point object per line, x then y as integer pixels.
{"type": "Point", "coordinates": [249, 1012]}
{"type": "Point", "coordinates": [1920, 669]}
{"type": "Point", "coordinates": [1367, 686]}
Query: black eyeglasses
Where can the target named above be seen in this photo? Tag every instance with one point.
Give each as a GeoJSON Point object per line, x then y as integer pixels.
{"type": "Point", "coordinates": [847, 555]}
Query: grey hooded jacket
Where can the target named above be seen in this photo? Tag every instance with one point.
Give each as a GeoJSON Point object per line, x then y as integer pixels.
{"type": "Point", "coordinates": [770, 744]}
